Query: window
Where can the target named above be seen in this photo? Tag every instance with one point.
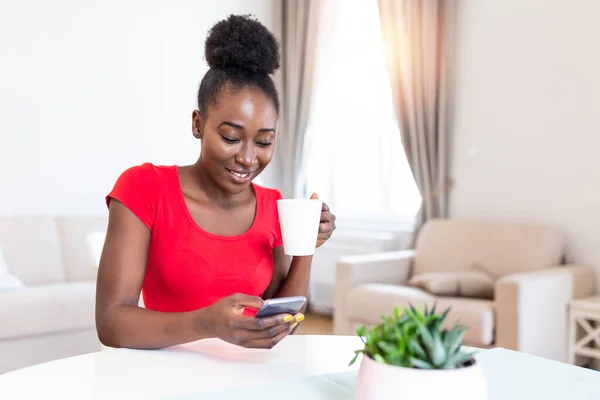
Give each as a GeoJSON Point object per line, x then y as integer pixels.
{"type": "Point", "coordinates": [355, 160]}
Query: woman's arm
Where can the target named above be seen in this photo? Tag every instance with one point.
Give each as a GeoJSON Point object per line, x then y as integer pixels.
{"type": "Point", "coordinates": [289, 278]}
{"type": "Point", "coordinates": [119, 320]}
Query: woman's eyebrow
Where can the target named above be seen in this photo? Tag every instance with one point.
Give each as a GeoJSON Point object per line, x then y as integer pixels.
{"type": "Point", "coordinates": [232, 124]}
{"type": "Point", "coordinates": [238, 126]}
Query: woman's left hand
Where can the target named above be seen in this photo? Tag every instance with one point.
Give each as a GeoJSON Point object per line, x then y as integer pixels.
{"type": "Point", "coordinates": [327, 225]}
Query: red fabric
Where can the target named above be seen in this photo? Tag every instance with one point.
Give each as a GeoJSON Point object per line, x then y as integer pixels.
{"type": "Point", "coordinates": [189, 268]}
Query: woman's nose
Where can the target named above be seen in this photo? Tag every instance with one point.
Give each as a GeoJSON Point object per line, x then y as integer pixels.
{"type": "Point", "coordinates": [246, 156]}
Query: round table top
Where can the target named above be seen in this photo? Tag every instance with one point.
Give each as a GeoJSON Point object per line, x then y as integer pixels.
{"type": "Point", "coordinates": [179, 371]}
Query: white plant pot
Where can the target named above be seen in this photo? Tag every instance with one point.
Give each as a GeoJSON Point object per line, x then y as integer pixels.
{"type": "Point", "coordinates": [386, 382]}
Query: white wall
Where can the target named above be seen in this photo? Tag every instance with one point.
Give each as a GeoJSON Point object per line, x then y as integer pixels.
{"type": "Point", "coordinates": [89, 88]}
{"type": "Point", "coordinates": [527, 121]}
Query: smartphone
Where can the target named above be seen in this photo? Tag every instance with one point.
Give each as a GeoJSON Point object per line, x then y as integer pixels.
{"type": "Point", "coordinates": [281, 305]}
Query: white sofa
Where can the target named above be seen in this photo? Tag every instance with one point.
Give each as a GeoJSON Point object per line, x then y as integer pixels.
{"type": "Point", "coordinates": [52, 316]}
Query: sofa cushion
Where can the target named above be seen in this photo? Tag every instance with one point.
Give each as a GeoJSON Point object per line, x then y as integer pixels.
{"type": "Point", "coordinates": [8, 281]}
{"type": "Point", "coordinates": [31, 249]}
{"type": "Point", "coordinates": [46, 309]}
{"type": "Point", "coordinates": [367, 303]}
{"type": "Point", "coordinates": [73, 231]}
{"type": "Point", "coordinates": [467, 283]}
{"type": "Point", "coordinates": [500, 248]}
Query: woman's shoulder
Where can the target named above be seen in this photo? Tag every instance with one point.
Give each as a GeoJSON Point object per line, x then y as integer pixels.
{"type": "Point", "coordinates": [138, 187]}
{"type": "Point", "coordinates": [146, 173]}
{"type": "Point", "coordinates": [143, 180]}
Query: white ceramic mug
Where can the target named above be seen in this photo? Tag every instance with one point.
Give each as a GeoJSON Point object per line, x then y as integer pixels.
{"type": "Point", "coordinates": [299, 220]}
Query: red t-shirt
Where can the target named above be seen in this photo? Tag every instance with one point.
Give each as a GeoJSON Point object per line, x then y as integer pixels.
{"type": "Point", "coordinates": [189, 268]}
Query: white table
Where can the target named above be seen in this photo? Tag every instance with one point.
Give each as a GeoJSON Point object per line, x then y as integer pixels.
{"type": "Point", "coordinates": [300, 367]}
{"type": "Point", "coordinates": [176, 372]}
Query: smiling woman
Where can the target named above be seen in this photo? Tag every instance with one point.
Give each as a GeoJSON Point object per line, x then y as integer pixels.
{"type": "Point", "coordinates": [237, 135]}
{"type": "Point", "coordinates": [202, 242]}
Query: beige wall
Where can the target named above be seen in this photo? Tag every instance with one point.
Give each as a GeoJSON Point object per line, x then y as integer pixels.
{"type": "Point", "coordinates": [527, 121]}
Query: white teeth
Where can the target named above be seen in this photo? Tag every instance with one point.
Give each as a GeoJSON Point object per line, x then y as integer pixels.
{"type": "Point", "coordinates": [238, 174]}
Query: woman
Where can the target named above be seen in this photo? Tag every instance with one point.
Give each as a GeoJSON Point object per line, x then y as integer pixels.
{"type": "Point", "coordinates": [202, 240]}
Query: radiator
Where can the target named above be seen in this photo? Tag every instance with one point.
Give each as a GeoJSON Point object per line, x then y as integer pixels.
{"type": "Point", "coordinates": [342, 243]}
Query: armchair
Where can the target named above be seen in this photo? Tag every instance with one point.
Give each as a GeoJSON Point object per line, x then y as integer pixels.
{"type": "Point", "coordinates": [532, 286]}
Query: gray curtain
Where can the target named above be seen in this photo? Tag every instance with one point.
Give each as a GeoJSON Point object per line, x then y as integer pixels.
{"type": "Point", "coordinates": [417, 35]}
{"type": "Point", "coordinates": [299, 23]}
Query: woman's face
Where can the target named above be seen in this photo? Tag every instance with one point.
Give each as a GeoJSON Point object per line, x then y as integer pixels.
{"type": "Point", "coordinates": [238, 137]}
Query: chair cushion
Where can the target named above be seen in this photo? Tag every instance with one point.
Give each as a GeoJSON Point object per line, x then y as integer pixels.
{"type": "Point", "coordinates": [367, 303]}
{"type": "Point", "coordinates": [467, 283]}
{"type": "Point", "coordinates": [500, 248]}
{"type": "Point", "coordinates": [47, 309]}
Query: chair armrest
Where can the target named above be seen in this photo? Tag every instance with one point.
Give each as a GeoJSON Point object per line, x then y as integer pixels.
{"type": "Point", "coordinates": [531, 308]}
{"type": "Point", "coordinates": [385, 267]}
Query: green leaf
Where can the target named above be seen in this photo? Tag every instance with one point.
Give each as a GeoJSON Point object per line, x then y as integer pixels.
{"type": "Point", "coordinates": [454, 346]}
{"type": "Point", "coordinates": [439, 320]}
{"type": "Point", "coordinates": [387, 347]}
{"type": "Point", "coordinates": [457, 360]}
{"type": "Point", "coordinates": [397, 332]}
{"type": "Point", "coordinates": [451, 337]}
{"type": "Point", "coordinates": [403, 319]}
{"type": "Point", "coordinates": [356, 354]}
{"type": "Point", "coordinates": [379, 358]}
{"type": "Point", "coordinates": [421, 364]}
{"type": "Point", "coordinates": [426, 337]}
{"type": "Point", "coordinates": [437, 353]}
{"type": "Point", "coordinates": [412, 309]}
{"type": "Point", "coordinates": [416, 347]}
{"type": "Point", "coordinates": [395, 359]}
{"type": "Point", "coordinates": [402, 347]}
{"type": "Point", "coordinates": [361, 330]}
{"type": "Point", "coordinates": [445, 314]}
{"type": "Point", "coordinates": [413, 317]}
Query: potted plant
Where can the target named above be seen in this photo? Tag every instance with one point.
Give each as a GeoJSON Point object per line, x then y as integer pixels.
{"type": "Point", "coordinates": [409, 356]}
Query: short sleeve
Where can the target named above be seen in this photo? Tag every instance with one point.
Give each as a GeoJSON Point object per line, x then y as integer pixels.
{"type": "Point", "coordinates": [137, 188]}
{"type": "Point", "coordinates": [278, 237]}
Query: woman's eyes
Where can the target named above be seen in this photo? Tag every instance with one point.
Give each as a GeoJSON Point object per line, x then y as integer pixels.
{"type": "Point", "coordinates": [232, 141]}
{"type": "Point", "coordinates": [229, 140]}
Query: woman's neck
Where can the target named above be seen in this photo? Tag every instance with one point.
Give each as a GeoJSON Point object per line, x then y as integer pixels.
{"type": "Point", "coordinates": [205, 186]}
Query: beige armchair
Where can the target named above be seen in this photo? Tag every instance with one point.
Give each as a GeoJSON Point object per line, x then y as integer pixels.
{"type": "Point", "coordinates": [530, 285]}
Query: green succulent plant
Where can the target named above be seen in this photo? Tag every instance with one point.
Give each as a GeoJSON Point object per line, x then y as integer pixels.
{"type": "Point", "coordinates": [415, 339]}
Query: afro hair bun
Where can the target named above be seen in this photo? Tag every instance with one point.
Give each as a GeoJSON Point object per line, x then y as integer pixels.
{"type": "Point", "coordinates": [241, 42]}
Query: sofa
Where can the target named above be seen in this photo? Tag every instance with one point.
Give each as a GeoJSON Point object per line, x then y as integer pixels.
{"type": "Point", "coordinates": [47, 310]}
{"type": "Point", "coordinates": [530, 285]}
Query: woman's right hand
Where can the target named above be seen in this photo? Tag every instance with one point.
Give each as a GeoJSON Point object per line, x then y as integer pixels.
{"type": "Point", "coordinates": [225, 321]}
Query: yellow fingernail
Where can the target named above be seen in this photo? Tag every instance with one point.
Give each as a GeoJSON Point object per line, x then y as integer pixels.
{"type": "Point", "coordinates": [287, 318]}
{"type": "Point", "coordinates": [294, 325]}
{"type": "Point", "coordinates": [300, 318]}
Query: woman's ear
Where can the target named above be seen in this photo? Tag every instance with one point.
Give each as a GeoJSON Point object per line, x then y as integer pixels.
{"type": "Point", "coordinates": [197, 124]}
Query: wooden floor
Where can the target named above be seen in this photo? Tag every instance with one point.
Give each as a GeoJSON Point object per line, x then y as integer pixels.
{"type": "Point", "coordinates": [315, 324]}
